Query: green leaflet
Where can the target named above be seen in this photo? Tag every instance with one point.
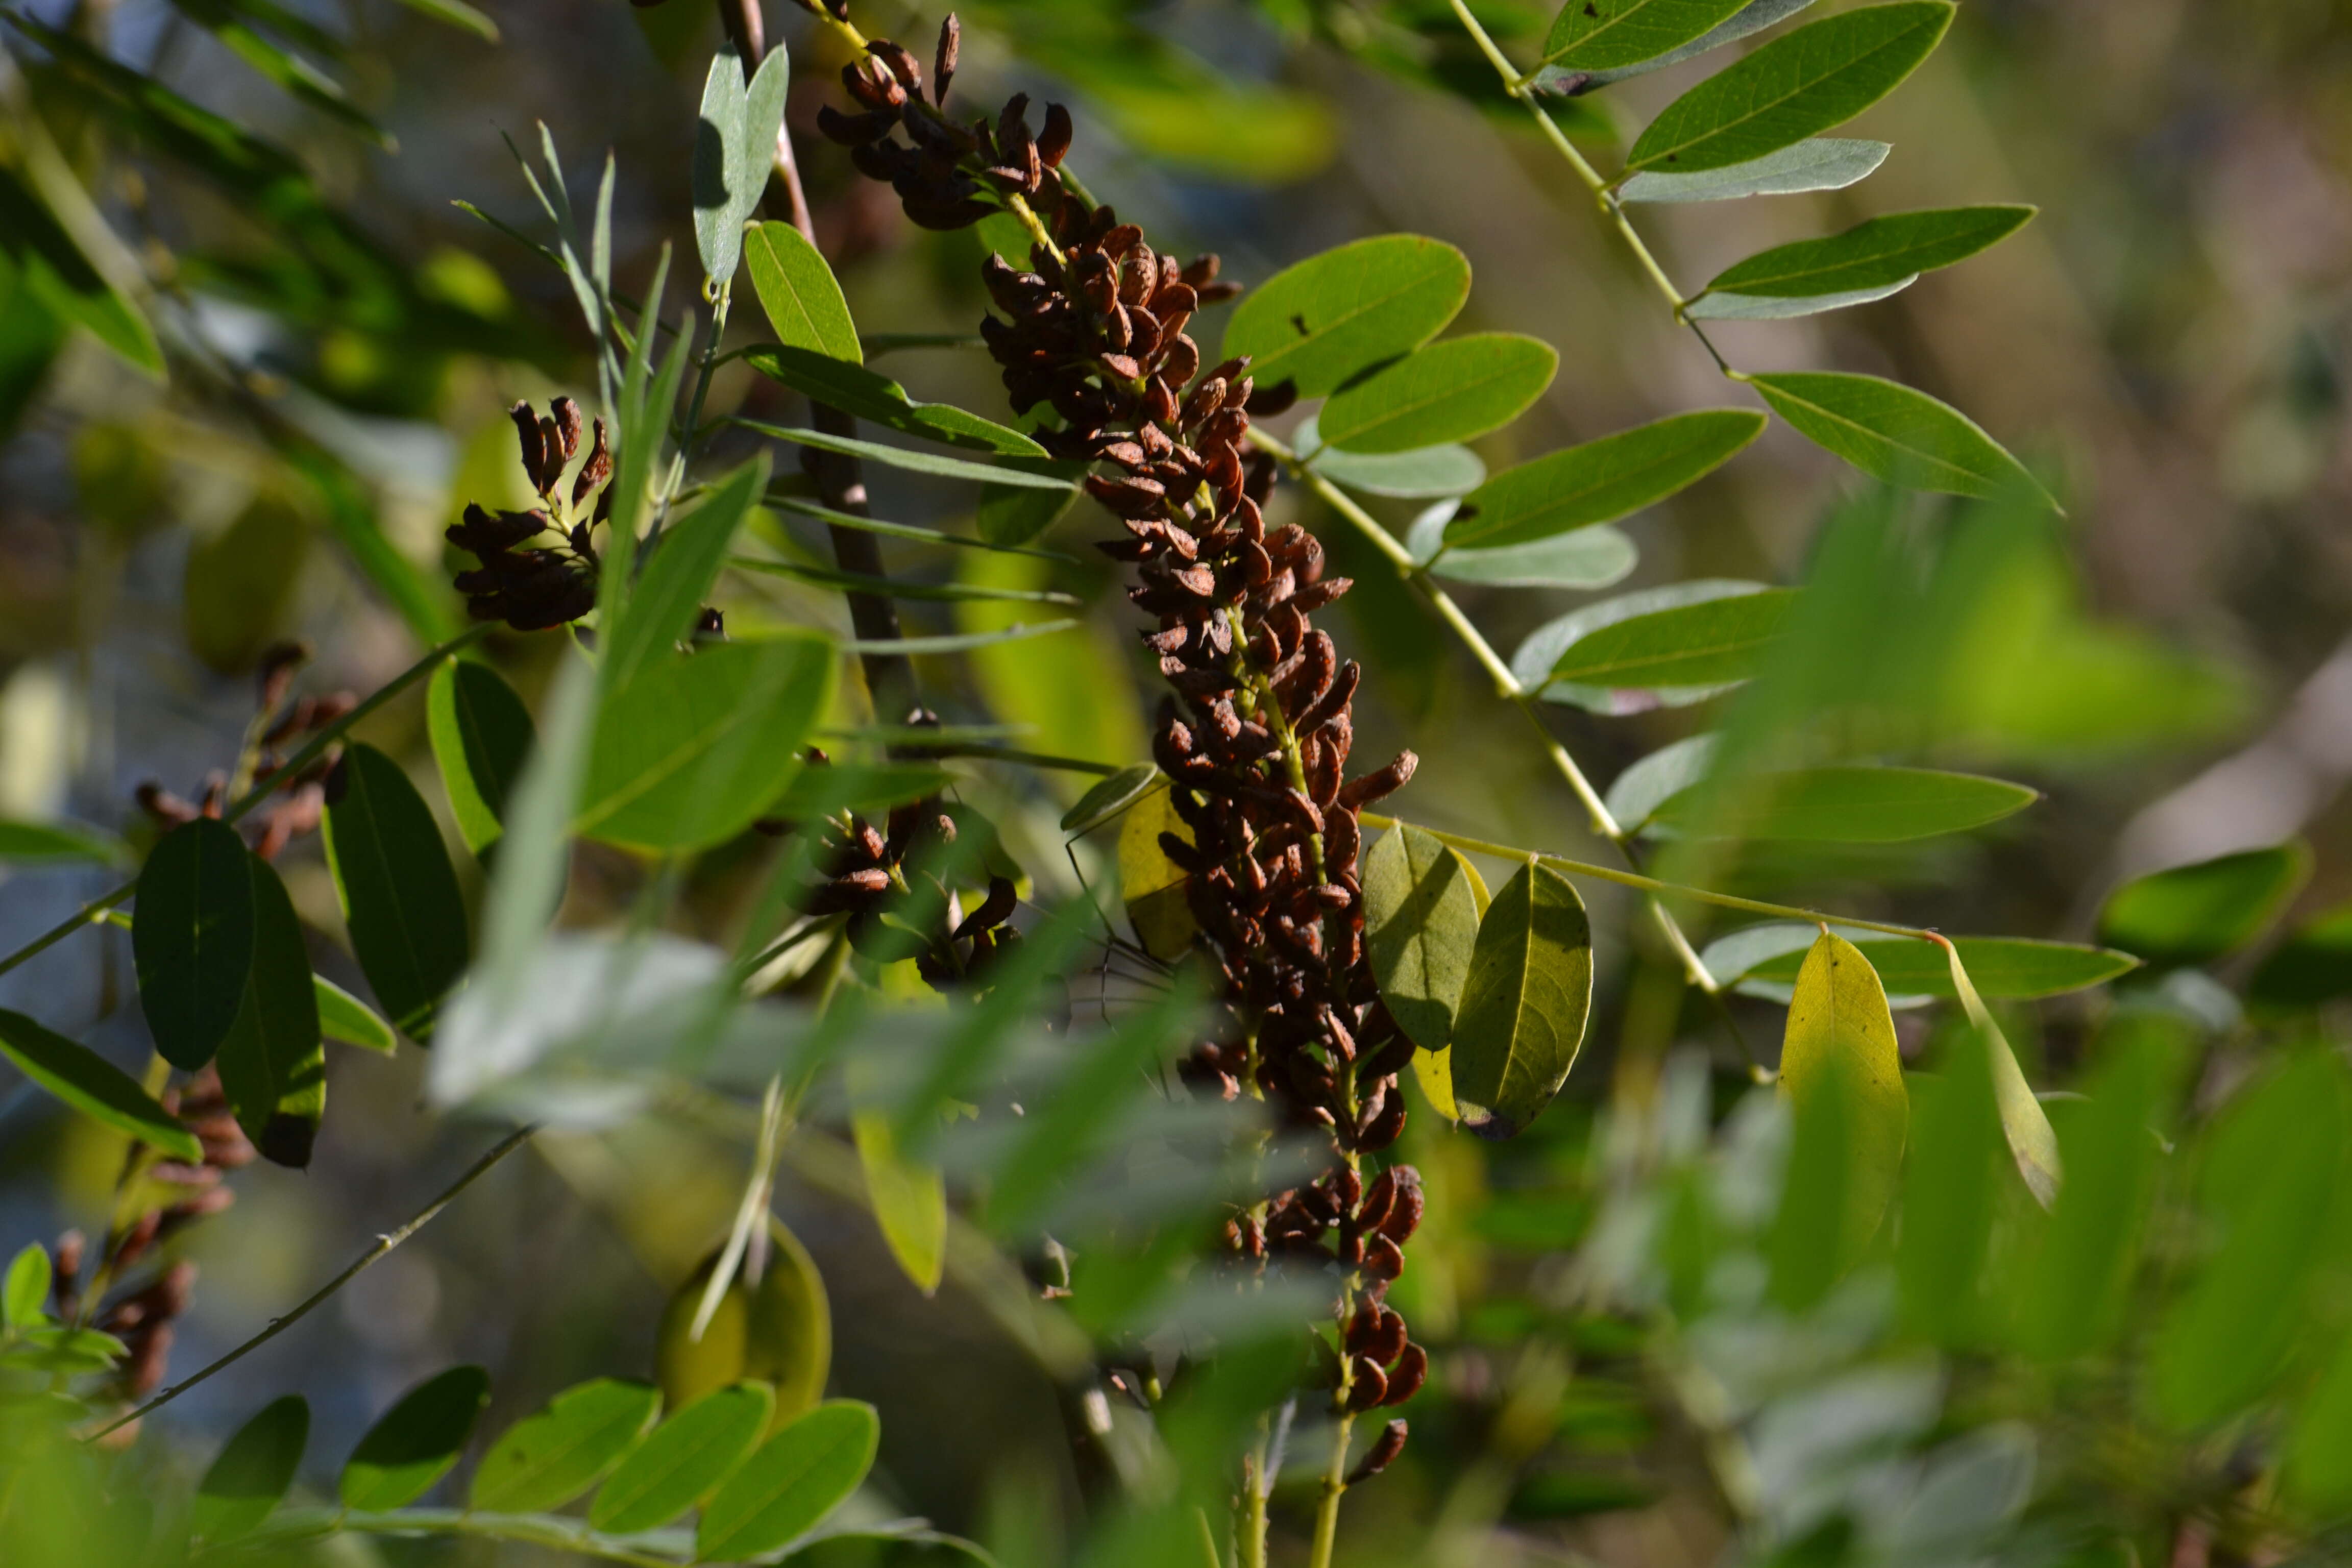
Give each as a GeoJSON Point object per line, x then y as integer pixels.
{"type": "Point", "coordinates": [39, 259]}
{"type": "Point", "coordinates": [1707, 643]}
{"type": "Point", "coordinates": [909, 1197]}
{"type": "Point", "coordinates": [799, 292]}
{"type": "Point", "coordinates": [1008, 474]}
{"type": "Point", "coordinates": [734, 143]}
{"type": "Point", "coordinates": [1422, 474]}
{"type": "Point", "coordinates": [58, 843]}
{"type": "Point", "coordinates": [254, 1471]}
{"type": "Point", "coordinates": [482, 736]}
{"type": "Point", "coordinates": [1523, 1001]}
{"type": "Point", "coordinates": [687, 560]}
{"type": "Point", "coordinates": [1752, 17]}
{"type": "Point", "coordinates": [1884, 250]}
{"type": "Point", "coordinates": [1009, 516]}
{"type": "Point", "coordinates": [1847, 806]}
{"type": "Point", "coordinates": [545, 1460]}
{"type": "Point", "coordinates": [691, 750]}
{"type": "Point", "coordinates": [1599, 34]}
{"type": "Point", "coordinates": [193, 940]}
{"type": "Point", "coordinates": [684, 1461]}
{"type": "Point", "coordinates": [1895, 433]}
{"type": "Point", "coordinates": [416, 1442]}
{"type": "Point", "coordinates": [2192, 914]}
{"type": "Point", "coordinates": [24, 1289]}
{"type": "Point", "coordinates": [1819, 164]}
{"type": "Point", "coordinates": [798, 1476]}
{"type": "Point", "coordinates": [1330, 317]}
{"type": "Point", "coordinates": [850, 387]}
{"type": "Point", "coordinates": [1449, 391]}
{"type": "Point", "coordinates": [1647, 785]}
{"type": "Point", "coordinates": [1784, 307]}
{"type": "Point", "coordinates": [1110, 797]}
{"type": "Point", "coordinates": [1600, 482]}
{"type": "Point", "coordinates": [1797, 86]}
{"type": "Point", "coordinates": [1151, 885]}
{"type": "Point", "coordinates": [2023, 1122]}
{"type": "Point", "coordinates": [1949, 1193]}
{"type": "Point", "coordinates": [93, 1086]}
{"type": "Point", "coordinates": [1586, 560]}
{"type": "Point", "coordinates": [273, 1060]}
{"type": "Point", "coordinates": [1421, 924]}
{"type": "Point", "coordinates": [344, 1017]}
{"type": "Point", "coordinates": [398, 891]}
{"type": "Point", "coordinates": [1842, 1074]}
{"type": "Point", "coordinates": [2006, 968]}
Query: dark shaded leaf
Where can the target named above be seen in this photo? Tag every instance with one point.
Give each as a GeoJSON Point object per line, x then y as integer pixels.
{"type": "Point", "coordinates": [481, 735]}
{"type": "Point", "coordinates": [398, 891]}
{"type": "Point", "coordinates": [273, 1060]}
{"type": "Point", "coordinates": [254, 1471]}
{"type": "Point", "coordinates": [1524, 1002]}
{"type": "Point", "coordinates": [93, 1086]}
{"type": "Point", "coordinates": [193, 940]}
{"type": "Point", "coordinates": [2191, 914]}
{"type": "Point", "coordinates": [416, 1442]}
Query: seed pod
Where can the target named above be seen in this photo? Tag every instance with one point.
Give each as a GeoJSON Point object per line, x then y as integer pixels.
{"type": "Point", "coordinates": [1372, 787]}
{"type": "Point", "coordinates": [596, 470]}
{"type": "Point", "coordinates": [1381, 1455]}
{"type": "Point", "coordinates": [1054, 141]}
{"type": "Point", "coordinates": [1404, 1217]}
{"type": "Point", "coordinates": [1383, 1258]}
{"type": "Point", "coordinates": [943, 62]}
{"type": "Point", "coordinates": [534, 450]}
{"type": "Point", "coordinates": [1382, 1123]}
{"type": "Point", "coordinates": [1368, 1386]}
{"type": "Point", "coordinates": [1411, 1371]}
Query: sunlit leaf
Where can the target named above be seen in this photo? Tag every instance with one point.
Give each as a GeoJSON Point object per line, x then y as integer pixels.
{"type": "Point", "coordinates": [544, 1461]}
{"type": "Point", "coordinates": [1600, 482]}
{"type": "Point", "coordinates": [1332, 316]}
{"type": "Point", "coordinates": [1787, 307]}
{"type": "Point", "coordinates": [24, 1289]}
{"type": "Point", "coordinates": [2191, 914]}
{"type": "Point", "coordinates": [254, 1472]}
{"type": "Point", "coordinates": [1706, 643]}
{"type": "Point", "coordinates": [683, 1460]}
{"type": "Point", "coordinates": [1584, 561]}
{"type": "Point", "coordinates": [344, 1017]}
{"type": "Point", "coordinates": [734, 143]}
{"type": "Point", "coordinates": [93, 1086]}
{"type": "Point", "coordinates": [800, 293]}
{"type": "Point", "coordinates": [1820, 163]}
{"type": "Point", "coordinates": [1596, 34]}
{"type": "Point", "coordinates": [798, 1476]}
{"type": "Point", "coordinates": [398, 891]}
{"type": "Point", "coordinates": [1872, 254]}
{"type": "Point", "coordinates": [777, 1333]}
{"type": "Point", "coordinates": [193, 942]}
{"type": "Point", "coordinates": [1753, 17]}
{"type": "Point", "coordinates": [416, 1442]}
{"type": "Point", "coordinates": [1847, 806]}
{"type": "Point", "coordinates": [1523, 1001]}
{"type": "Point", "coordinates": [2006, 968]}
{"type": "Point", "coordinates": [273, 1060]}
{"type": "Point", "coordinates": [1657, 778]}
{"type": "Point", "coordinates": [695, 748]}
{"type": "Point", "coordinates": [1420, 923]}
{"type": "Point", "coordinates": [1449, 391]}
{"type": "Point", "coordinates": [1798, 85]}
{"type": "Point", "coordinates": [908, 1198]}
{"type": "Point", "coordinates": [1416, 475]}
{"type": "Point", "coordinates": [850, 387]}
{"type": "Point", "coordinates": [1840, 1046]}
{"type": "Point", "coordinates": [2023, 1122]}
{"type": "Point", "coordinates": [482, 736]}
{"type": "Point", "coordinates": [1895, 433]}
{"type": "Point", "coordinates": [1150, 884]}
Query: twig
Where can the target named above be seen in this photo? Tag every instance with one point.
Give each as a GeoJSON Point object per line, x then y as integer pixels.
{"type": "Point", "coordinates": [384, 1244]}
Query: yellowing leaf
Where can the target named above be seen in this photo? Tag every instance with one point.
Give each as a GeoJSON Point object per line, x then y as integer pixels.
{"type": "Point", "coordinates": [1840, 1040]}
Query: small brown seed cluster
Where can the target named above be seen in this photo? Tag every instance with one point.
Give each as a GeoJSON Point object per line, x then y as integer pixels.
{"type": "Point", "coordinates": [1257, 735]}
{"type": "Point", "coordinates": [546, 584]}
{"type": "Point", "coordinates": [303, 794]}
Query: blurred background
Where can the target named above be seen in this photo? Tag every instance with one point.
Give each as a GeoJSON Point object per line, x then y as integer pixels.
{"type": "Point", "coordinates": [2167, 344]}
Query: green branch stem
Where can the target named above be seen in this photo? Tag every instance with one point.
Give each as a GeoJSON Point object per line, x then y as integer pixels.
{"type": "Point", "coordinates": [374, 1254]}
{"type": "Point", "coordinates": [95, 912]}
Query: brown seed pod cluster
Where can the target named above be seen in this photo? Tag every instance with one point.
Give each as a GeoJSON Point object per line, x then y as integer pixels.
{"type": "Point", "coordinates": [865, 873]}
{"type": "Point", "coordinates": [302, 795]}
{"type": "Point", "coordinates": [1257, 735]}
{"type": "Point", "coordinates": [547, 585]}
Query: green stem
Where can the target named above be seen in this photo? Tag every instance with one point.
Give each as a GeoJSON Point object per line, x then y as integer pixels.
{"type": "Point", "coordinates": [95, 912]}
{"type": "Point", "coordinates": [384, 1244]}
{"type": "Point", "coordinates": [1335, 1487]}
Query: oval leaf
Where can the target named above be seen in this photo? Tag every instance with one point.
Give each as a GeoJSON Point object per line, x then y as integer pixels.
{"type": "Point", "coordinates": [1420, 923]}
{"type": "Point", "coordinates": [416, 1441]}
{"type": "Point", "coordinates": [1334, 315]}
{"type": "Point", "coordinates": [799, 292]}
{"type": "Point", "coordinates": [398, 891]}
{"type": "Point", "coordinates": [1820, 163]}
{"type": "Point", "coordinates": [545, 1460]}
{"type": "Point", "coordinates": [1446, 392]}
{"type": "Point", "coordinates": [1599, 34]}
{"type": "Point", "coordinates": [1889, 249]}
{"type": "Point", "coordinates": [1787, 307]}
{"type": "Point", "coordinates": [1848, 805]}
{"type": "Point", "coordinates": [798, 1476]}
{"type": "Point", "coordinates": [1587, 559]}
{"type": "Point", "coordinates": [1418, 475]}
{"type": "Point", "coordinates": [909, 1197]}
{"type": "Point", "coordinates": [1601, 481]}
{"type": "Point", "coordinates": [1708, 643]}
{"type": "Point", "coordinates": [273, 1063]}
{"type": "Point", "coordinates": [481, 735]}
{"type": "Point", "coordinates": [193, 940]}
{"type": "Point", "coordinates": [1841, 1043]}
{"type": "Point", "coordinates": [1657, 778]}
{"type": "Point", "coordinates": [2013, 969]}
{"type": "Point", "coordinates": [1895, 433]}
{"type": "Point", "coordinates": [254, 1471]}
{"type": "Point", "coordinates": [344, 1017]}
{"type": "Point", "coordinates": [1796, 85]}
{"type": "Point", "coordinates": [2194, 913]}
{"type": "Point", "coordinates": [1523, 1001]}
{"type": "Point", "coordinates": [93, 1086]}
{"type": "Point", "coordinates": [691, 750]}
{"type": "Point", "coordinates": [25, 1292]}
{"type": "Point", "coordinates": [685, 1458]}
